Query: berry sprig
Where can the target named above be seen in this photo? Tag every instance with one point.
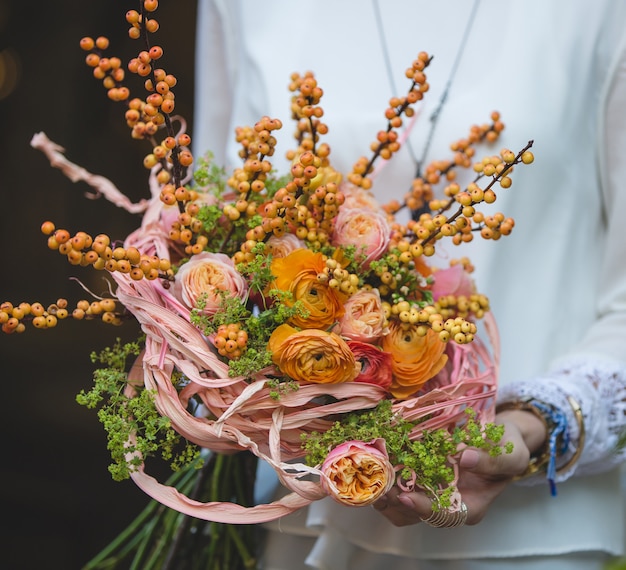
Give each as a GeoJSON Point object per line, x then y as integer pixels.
{"type": "Point", "coordinates": [418, 198]}
{"type": "Point", "coordinates": [419, 236]}
{"type": "Point", "coordinates": [387, 141]}
{"type": "Point", "coordinates": [14, 318]}
{"type": "Point", "coordinates": [84, 250]}
{"type": "Point", "coordinates": [467, 219]}
{"type": "Point", "coordinates": [339, 278]}
{"type": "Point", "coordinates": [307, 112]}
{"type": "Point", "coordinates": [145, 117]}
{"type": "Point", "coordinates": [308, 203]}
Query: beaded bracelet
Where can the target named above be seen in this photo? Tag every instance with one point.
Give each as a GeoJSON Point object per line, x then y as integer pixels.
{"type": "Point", "coordinates": [558, 438]}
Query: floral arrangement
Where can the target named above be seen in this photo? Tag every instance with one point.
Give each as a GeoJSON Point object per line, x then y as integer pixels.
{"type": "Point", "coordinates": [290, 317]}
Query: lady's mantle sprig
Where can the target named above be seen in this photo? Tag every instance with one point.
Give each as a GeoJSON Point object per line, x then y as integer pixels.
{"type": "Point", "coordinates": [424, 461]}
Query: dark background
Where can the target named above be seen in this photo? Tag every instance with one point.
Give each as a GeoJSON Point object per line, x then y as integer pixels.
{"type": "Point", "coordinates": [59, 505]}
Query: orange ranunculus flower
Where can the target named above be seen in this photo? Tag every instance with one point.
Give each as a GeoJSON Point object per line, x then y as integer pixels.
{"type": "Point", "coordinates": [312, 355]}
{"type": "Point", "coordinates": [297, 273]}
{"type": "Point", "coordinates": [415, 358]}
{"type": "Point", "coordinates": [358, 473]}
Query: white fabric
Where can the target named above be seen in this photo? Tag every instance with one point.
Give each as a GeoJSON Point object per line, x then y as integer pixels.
{"type": "Point", "coordinates": [557, 285]}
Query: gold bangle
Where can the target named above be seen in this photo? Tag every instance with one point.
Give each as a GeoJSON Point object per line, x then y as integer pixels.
{"type": "Point", "coordinates": [580, 421]}
{"type": "Point", "coordinates": [539, 460]}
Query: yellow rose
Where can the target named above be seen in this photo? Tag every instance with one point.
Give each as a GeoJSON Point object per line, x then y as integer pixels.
{"type": "Point", "coordinates": [297, 273]}
{"type": "Point", "coordinates": [415, 359]}
{"type": "Point", "coordinates": [312, 355]}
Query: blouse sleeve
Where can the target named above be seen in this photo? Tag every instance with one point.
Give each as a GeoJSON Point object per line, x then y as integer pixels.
{"type": "Point", "coordinates": [594, 372]}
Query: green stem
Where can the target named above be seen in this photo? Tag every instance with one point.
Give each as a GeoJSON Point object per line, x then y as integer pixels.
{"type": "Point", "coordinates": [183, 527]}
{"type": "Point", "coordinates": [143, 546]}
{"type": "Point", "coordinates": [139, 529]}
{"type": "Point", "coordinates": [248, 560]}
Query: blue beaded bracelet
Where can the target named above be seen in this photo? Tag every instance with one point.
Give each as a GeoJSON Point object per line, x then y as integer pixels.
{"type": "Point", "coordinates": [558, 438]}
{"type": "Point", "coordinates": [557, 441]}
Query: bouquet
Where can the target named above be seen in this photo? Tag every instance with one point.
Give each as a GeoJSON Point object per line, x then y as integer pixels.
{"type": "Point", "coordinates": [289, 317]}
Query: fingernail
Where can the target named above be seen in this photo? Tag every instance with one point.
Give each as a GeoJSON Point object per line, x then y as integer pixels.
{"type": "Point", "coordinates": [405, 500]}
{"type": "Point", "coordinates": [469, 459]}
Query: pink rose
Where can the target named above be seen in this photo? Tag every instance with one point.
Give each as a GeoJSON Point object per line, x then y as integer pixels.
{"type": "Point", "coordinates": [366, 229]}
{"type": "Point", "coordinates": [204, 277]}
{"type": "Point", "coordinates": [364, 319]}
{"type": "Point", "coordinates": [357, 473]}
{"type": "Point", "coordinates": [452, 281]}
{"type": "Point", "coordinates": [376, 364]}
{"type": "Point", "coordinates": [282, 246]}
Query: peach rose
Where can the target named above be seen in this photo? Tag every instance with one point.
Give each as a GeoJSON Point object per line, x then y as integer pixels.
{"type": "Point", "coordinates": [297, 274]}
{"type": "Point", "coordinates": [375, 364]}
{"type": "Point", "coordinates": [204, 277]}
{"type": "Point", "coordinates": [312, 355]}
{"type": "Point", "coordinates": [364, 319]}
{"type": "Point", "coordinates": [415, 358]}
{"type": "Point", "coordinates": [357, 473]}
{"type": "Point", "coordinates": [366, 229]}
{"type": "Point", "coordinates": [284, 245]}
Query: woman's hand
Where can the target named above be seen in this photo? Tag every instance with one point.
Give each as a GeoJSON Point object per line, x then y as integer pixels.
{"type": "Point", "coordinates": [482, 477]}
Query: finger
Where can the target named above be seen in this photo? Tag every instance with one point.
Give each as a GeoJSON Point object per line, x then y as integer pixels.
{"type": "Point", "coordinates": [405, 508]}
{"type": "Point", "coordinates": [505, 465]}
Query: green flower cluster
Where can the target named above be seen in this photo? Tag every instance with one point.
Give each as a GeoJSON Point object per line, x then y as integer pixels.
{"type": "Point", "coordinates": [125, 417]}
{"type": "Point", "coordinates": [425, 458]}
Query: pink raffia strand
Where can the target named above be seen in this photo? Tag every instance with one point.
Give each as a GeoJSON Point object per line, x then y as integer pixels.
{"type": "Point", "coordinates": [75, 173]}
{"type": "Point", "coordinates": [240, 414]}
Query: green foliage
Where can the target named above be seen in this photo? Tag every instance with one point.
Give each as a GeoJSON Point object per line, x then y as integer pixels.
{"type": "Point", "coordinates": [127, 413]}
{"type": "Point", "coordinates": [257, 272]}
{"type": "Point", "coordinates": [279, 387]}
{"type": "Point", "coordinates": [259, 325]}
{"type": "Point", "coordinates": [209, 176]}
{"type": "Point", "coordinates": [425, 458]}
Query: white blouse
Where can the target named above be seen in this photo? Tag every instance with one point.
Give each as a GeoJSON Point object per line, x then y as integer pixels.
{"type": "Point", "coordinates": [557, 73]}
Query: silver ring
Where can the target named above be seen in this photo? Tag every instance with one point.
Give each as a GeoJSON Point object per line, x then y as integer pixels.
{"type": "Point", "coordinates": [445, 518]}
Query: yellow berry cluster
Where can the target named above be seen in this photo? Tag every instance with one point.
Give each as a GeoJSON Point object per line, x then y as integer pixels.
{"type": "Point", "coordinates": [423, 319]}
{"type": "Point", "coordinates": [336, 277]}
{"type": "Point", "coordinates": [85, 250]}
{"type": "Point", "coordinates": [230, 340]}
{"type": "Point", "coordinates": [13, 319]}
{"type": "Point", "coordinates": [463, 306]}
{"type": "Point", "coordinates": [421, 193]}
{"type": "Point", "coordinates": [387, 141]}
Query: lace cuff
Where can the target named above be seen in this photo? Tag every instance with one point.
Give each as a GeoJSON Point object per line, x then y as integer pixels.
{"type": "Point", "coordinates": [599, 386]}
